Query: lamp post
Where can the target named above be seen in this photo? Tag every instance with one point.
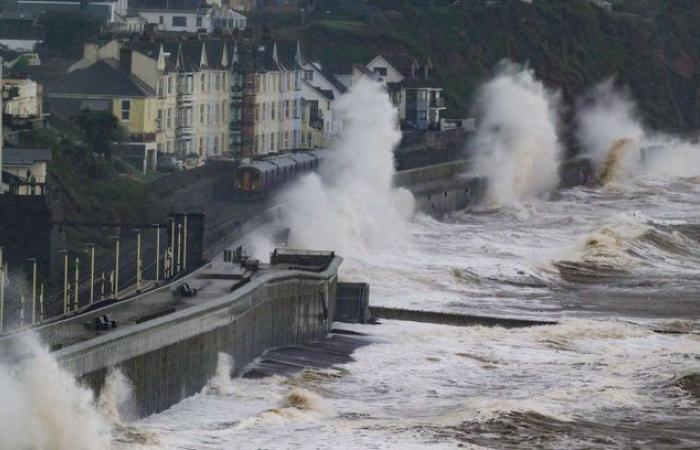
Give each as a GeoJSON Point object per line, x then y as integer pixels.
{"type": "Point", "coordinates": [91, 250]}
{"type": "Point", "coordinates": [65, 281]}
{"type": "Point", "coordinates": [77, 281]}
{"type": "Point", "coordinates": [115, 285]}
{"type": "Point", "coordinates": [34, 265]}
{"type": "Point", "coordinates": [138, 261]}
{"type": "Point", "coordinates": [157, 227]}
{"type": "Point", "coordinates": [2, 290]}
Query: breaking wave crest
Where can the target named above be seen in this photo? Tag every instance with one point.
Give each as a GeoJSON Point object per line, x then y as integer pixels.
{"type": "Point", "coordinates": [629, 247]}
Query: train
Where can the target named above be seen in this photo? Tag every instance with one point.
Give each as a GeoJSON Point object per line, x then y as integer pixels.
{"type": "Point", "coordinates": [266, 174]}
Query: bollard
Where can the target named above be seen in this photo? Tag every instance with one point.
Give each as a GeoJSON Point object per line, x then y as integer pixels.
{"type": "Point", "coordinates": [91, 248]}
{"type": "Point", "coordinates": [77, 281]}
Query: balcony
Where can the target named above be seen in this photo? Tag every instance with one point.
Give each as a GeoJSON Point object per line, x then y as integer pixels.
{"type": "Point", "coordinates": [437, 102]}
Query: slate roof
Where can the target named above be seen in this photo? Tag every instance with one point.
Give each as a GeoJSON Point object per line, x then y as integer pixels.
{"type": "Point", "coordinates": [13, 156]}
{"type": "Point", "coordinates": [189, 52]}
{"type": "Point", "coordinates": [100, 79]}
{"type": "Point", "coordinates": [165, 5]}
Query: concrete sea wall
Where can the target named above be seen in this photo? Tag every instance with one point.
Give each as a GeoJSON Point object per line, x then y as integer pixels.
{"type": "Point", "coordinates": [171, 354]}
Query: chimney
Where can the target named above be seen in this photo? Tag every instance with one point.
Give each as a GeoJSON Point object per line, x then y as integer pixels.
{"type": "Point", "coordinates": [125, 59]}
{"type": "Point", "coordinates": [90, 54]}
{"type": "Point", "coordinates": [426, 68]}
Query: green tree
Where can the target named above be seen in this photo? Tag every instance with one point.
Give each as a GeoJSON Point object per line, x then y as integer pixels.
{"type": "Point", "coordinates": [67, 32]}
{"type": "Point", "coordinates": [100, 129]}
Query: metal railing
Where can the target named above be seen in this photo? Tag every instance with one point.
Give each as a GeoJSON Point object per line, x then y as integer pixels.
{"type": "Point", "coordinates": [84, 284]}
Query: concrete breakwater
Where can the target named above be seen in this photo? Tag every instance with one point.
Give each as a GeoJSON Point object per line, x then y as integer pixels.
{"type": "Point", "coordinates": [167, 342]}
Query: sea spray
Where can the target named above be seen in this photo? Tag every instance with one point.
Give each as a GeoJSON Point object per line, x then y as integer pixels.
{"type": "Point", "coordinates": [221, 383]}
{"type": "Point", "coordinates": [43, 408]}
{"type": "Point", "coordinates": [115, 400]}
{"type": "Point", "coordinates": [351, 206]}
{"type": "Point", "coordinates": [611, 133]}
{"type": "Point", "coordinates": [517, 141]}
{"type": "Point", "coordinates": [604, 117]}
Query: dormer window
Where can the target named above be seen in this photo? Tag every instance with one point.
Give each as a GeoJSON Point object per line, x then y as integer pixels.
{"type": "Point", "coordinates": [381, 71]}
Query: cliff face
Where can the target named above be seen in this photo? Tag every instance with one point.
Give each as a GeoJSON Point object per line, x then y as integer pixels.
{"type": "Point", "coordinates": [651, 47]}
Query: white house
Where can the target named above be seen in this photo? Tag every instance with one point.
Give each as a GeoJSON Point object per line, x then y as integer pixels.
{"type": "Point", "coordinates": [188, 16]}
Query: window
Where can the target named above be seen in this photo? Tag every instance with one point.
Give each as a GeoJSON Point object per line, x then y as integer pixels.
{"type": "Point", "coordinates": [199, 21]}
{"type": "Point", "coordinates": [272, 142]}
{"type": "Point", "coordinates": [286, 109]}
{"type": "Point", "coordinates": [272, 111]}
{"type": "Point", "coordinates": [286, 139]}
{"type": "Point", "coordinates": [160, 88]}
{"type": "Point", "coordinates": [179, 21]}
{"type": "Point", "coordinates": [170, 85]}
{"type": "Point", "coordinates": [160, 20]}
{"type": "Point", "coordinates": [296, 108]}
{"type": "Point", "coordinates": [380, 71]}
{"type": "Point", "coordinates": [202, 83]}
{"type": "Point", "coordinates": [217, 81]}
{"type": "Point", "coordinates": [159, 121]}
{"type": "Point", "coordinates": [201, 114]}
{"type": "Point", "coordinates": [126, 109]}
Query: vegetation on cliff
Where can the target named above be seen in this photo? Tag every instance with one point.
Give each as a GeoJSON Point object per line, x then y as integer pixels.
{"type": "Point", "coordinates": [651, 47]}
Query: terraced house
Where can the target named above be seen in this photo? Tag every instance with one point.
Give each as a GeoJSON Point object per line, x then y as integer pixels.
{"type": "Point", "coordinates": [187, 81]}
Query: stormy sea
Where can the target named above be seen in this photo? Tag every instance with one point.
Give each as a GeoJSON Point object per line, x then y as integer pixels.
{"type": "Point", "coordinates": [615, 263]}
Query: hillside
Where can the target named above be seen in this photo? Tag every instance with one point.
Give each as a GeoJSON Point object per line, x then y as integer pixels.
{"type": "Point", "coordinates": [651, 47]}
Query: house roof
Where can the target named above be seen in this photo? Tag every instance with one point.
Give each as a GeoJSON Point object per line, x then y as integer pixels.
{"type": "Point", "coordinates": [165, 5]}
{"type": "Point", "coordinates": [100, 79]}
{"type": "Point", "coordinates": [416, 83]}
{"type": "Point", "coordinates": [189, 52]}
{"type": "Point", "coordinates": [331, 78]}
{"type": "Point", "coordinates": [15, 156]}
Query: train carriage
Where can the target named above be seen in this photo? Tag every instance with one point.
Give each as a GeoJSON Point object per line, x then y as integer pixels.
{"type": "Point", "coordinates": [266, 174]}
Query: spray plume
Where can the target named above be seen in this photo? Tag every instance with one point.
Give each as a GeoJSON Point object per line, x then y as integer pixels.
{"type": "Point", "coordinates": [611, 134]}
{"type": "Point", "coordinates": [352, 206]}
{"type": "Point", "coordinates": [44, 408]}
{"type": "Point", "coordinates": [517, 142]}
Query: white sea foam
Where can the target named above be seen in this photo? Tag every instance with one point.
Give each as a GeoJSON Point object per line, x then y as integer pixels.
{"type": "Point", "coordinates": [517, 141]}
{"type": "Point", "coordinates": [351, 206]}
{"type": "Point", "coordinates": [44, 408]}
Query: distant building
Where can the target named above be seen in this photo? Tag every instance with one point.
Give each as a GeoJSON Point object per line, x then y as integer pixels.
{"type": "Point", "coordinates": [21, 98]}
{"type": "Point", "coordinates": [104, 11]}
{"type": "Point", "coordinates": [20, 34]}
{"type": "Point", "coordinates": [24, 170]}
{"type": "Point", "coordinates": [414, 93]}
{"type": "Point", "coordinates": [188, 16]}
{"type": "Point", "coordinates": [278, 97]}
